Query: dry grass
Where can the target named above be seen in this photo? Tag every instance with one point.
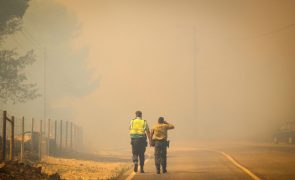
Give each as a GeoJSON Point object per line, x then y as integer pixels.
{"type": "Point", "coordinates": [79, 169]}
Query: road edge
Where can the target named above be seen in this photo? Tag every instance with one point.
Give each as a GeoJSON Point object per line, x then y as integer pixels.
{"type": "Point", "coordinates": [132, 174]}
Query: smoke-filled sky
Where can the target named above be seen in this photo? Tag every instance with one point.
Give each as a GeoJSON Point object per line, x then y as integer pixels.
{"type": "Point", "coordinates": [214, 68]}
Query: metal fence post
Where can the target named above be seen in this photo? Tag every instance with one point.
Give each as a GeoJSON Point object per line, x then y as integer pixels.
{"type": "Point", "coordinates": [12, 139]}
{"type": "Point", "coordinates": [66, 134]}
{"type": "Point", "coordinates": [74, 136]}
{"type": "Point", "coordinates": [32, 136]}
{"type": "Point", "coordinates": [81, 135]}
{"type": "Point", "coordinates": [60, 142]}
{"type": "Point", "coordinates": [23, 139]}
{"type": "Point", "coordinates": [48, 139]}
{"type": "Point", "coordinates": [4, 136]}
{"type": "Point", "coordinates": [55, 137]}
{"type": "Point", "coordinates": [77, 136]}
{"type": "Point", "coordinates": [44, 137]}
{"type": "Point", "coordinates": [40, 141]}
{"type": "Point", "coordinates": [71, 136]}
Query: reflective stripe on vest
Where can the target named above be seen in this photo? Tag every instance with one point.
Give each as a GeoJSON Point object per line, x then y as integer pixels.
{"type": "Point", "coordinates": [137, 126]}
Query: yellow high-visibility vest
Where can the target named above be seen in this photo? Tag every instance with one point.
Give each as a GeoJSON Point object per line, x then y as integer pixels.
{"type": "Point", "coordinates": [137, 126]}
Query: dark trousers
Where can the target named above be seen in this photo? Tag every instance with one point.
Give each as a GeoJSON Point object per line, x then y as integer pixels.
{"type": "Point", "coordinates": [138, 150]}
{"type": "Point", "coordinates": [161, 154]}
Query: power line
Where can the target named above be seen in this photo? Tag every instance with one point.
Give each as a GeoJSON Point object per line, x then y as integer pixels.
{"type": "Point", "coordinates": [38, 45]}
{"type": "Point", "coordinates": [18, 43]}
{"type": "Point", "coordinates": [44, 56]}
{"type": "Point", "coordinates": [31, 39]}
{"type": "Point", "coordinates": [280, 29]}
{"type": "Point", "coordinates": [284, 28]}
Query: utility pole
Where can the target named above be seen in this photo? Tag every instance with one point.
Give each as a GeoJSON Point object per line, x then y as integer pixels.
{"type": "Point", "coordinates": [194, 66]}
{"type": "Point", "coordinates": [44, 92]}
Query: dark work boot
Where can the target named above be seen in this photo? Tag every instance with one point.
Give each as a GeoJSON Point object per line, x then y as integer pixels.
{"type": "Point", "coordinates": [141, 169]}
{"type": "Point", "coordinates": [164, 165]}
{"type": "Point", "coordinates": [158, 170]}
{"type": "Point", "coordinates": [164, 170]}
{"type": "Point", "coordinates": [135, 167]}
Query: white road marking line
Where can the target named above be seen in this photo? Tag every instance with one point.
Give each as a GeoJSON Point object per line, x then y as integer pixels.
{"type": "Point", "coordinates": [130, 177]}
{"type": "Point", "coordinates": [245, 170]}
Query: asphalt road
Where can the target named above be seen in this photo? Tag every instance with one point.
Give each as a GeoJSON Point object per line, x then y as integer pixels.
{"type": "Point", "coordinates": [194, 164]}
{"type": "Point", "coordinates": [265, 161]}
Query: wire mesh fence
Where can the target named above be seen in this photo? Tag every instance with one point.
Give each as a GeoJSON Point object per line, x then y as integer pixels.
{"type": "Point", "coordinates": [28, 139]}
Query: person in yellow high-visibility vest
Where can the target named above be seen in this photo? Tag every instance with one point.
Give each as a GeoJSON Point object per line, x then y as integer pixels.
{"type": "Point", "coordinates": [139, 132]}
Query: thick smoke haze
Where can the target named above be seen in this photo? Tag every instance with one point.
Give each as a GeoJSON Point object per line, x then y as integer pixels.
{"type": "Point", "coordinates": [215, 69]}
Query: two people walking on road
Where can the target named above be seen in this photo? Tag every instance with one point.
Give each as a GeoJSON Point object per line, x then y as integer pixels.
{"type": "Point", "coordinates": [140, 132]}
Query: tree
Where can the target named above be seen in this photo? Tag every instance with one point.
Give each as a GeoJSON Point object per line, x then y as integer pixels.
{"type": "Point", "coordinates": [11, 13]}
{"type": "Point", "coordinates": [13, 86]}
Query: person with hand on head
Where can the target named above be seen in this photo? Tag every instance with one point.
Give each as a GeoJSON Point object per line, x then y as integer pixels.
{"type": "Point", "coordinates": [159, 137]}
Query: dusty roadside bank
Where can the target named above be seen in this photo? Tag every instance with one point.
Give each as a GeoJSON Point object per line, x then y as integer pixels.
{"type": "Point", "coordinates": [83, 169]}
